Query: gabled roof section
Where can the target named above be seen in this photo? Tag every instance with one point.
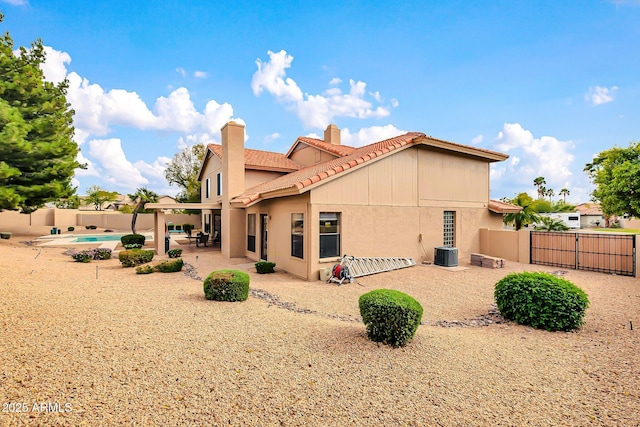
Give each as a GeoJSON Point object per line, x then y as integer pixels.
{"type": "Point", "coordinates": [589, 209]}
{"type": "Point", "coordinates": [500, 207]}
{"type": "Point", "coordinates": [336, 150]}
{"type": "Point", "coordinates": [261, 160]}
{"type": "Point", "coordinates": [300, 181]}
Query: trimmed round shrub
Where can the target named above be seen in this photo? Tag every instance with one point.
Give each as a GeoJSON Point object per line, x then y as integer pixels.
{"type": "Point", "coordinates": [264, 267]}
{"type": "Point", "coordinates": [144, 269]}
{"type": "Point", "coordinates": [70, 228]}
{"type": "Point", "coordinates": [131, 258]}
{"type": "Point", "coordinates": [169, 266]}
{"type": "Point", "coordinates": [100, 253]}
{"type": "Point", "coordinates": [227, 285]}
{"type": "Point", "coordinates": [174, 253]}
{"type": "Point", "coordinates": [391, 317]}
{"type": "Point", "coordinates": [542, 301]}
{"type": "Point", "coordinates": [82, 256]}
{"type": "Point", "coordinates": [132, 241]}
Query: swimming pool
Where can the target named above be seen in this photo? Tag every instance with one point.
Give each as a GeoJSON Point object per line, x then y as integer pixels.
{"type": "Point", "coordinates": [111, 239]}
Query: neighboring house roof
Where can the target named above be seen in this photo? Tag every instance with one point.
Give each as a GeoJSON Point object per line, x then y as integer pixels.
{"type": "Point", "coordinates": [500, 207]}
{"type": "Point", "coordinates": [589, 209]}
{"type": "Point", "coordinates": [338, 150]}
{"type": "Point", "coordinates": [261, 160]}
{"type": "Point", "coordinates": [300, 181]}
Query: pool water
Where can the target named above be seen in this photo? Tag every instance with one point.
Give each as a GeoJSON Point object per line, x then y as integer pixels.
{"type": "Point", "coordinates": [102, 238]}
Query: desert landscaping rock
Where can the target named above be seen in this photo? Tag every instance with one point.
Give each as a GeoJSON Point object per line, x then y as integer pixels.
{"type": "Point", "coordinates": [127, 349]}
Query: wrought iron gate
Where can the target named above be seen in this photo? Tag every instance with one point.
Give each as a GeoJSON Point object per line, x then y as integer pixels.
{"type": "Point", "coordinates": [606, 253]}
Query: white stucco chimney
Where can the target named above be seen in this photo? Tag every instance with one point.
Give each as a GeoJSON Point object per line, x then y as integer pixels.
{"type": "Point", "coordinates": [332, 135]}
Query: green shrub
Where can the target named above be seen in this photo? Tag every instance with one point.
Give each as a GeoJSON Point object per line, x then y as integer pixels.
{"type": "Point", "coordinates": [170, 227]}
{"type": "Point", "coordinates": [169, 266]}
{"type": "Point", "coordinates": [174, 253]}
{"type": "Point", "coordinates": [131, 258]}
{"type": "Point", "coordinates": [100, 253]}
{"type": "Point", "coordinates": [82, 256]}
{"type": "Point", "coordinates": [92, 227]}
{"type": "Point", "coordinates": [391, 317]}
{"type": "Point", "coordinates": [144, 269]}
{"type": "Point", "coordinates": [541, 300]}
{"type": "Point", "coordinates": [227, 285]}
{"type": "Point", "coordinates": [132, 239]}
{"type": "Point", "coordinates": [263, 267]}
{"type": "Point", "coordinates": [187, 228]}
{"type": "Point", "coordinates": [70, 228]}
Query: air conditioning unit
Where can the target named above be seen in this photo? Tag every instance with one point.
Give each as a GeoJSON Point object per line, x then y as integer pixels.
{"type": "Point", "coordinates": [446, 256]}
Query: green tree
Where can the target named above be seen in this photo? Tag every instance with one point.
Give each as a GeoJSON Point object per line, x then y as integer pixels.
{"type": "Point", "coordinates": [183, 172]}
{"type": "Point", "coordinates": [527, 215]}
{"type": "Point", "coordinates": [37, 153]}
{"type": "Point", "coordinates": [564, 192]}
{"type": "Point", "coordinates": [548, 192]}
{"type": "Point", "coordinates": [72, 202]}
{"type": "Point", "coordinates": [97, 197]}
{"type": "Point", "coordinates": [142, 196]}
{"type": "Point", "coordinates": [540, 182]}
{"type": "Point", "coordinates": [616, 175]}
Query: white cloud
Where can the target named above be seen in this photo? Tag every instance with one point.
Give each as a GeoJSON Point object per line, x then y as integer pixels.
{"type": "Point", "coordinates": [97, 109]}
{"type": "Point", "coordinates": [313, 110]}
{"type": "Point", "coordinates": [153, 170]}
{"type": "Point", "coordinates": [619, 3]}
{"type": "Point", "coordinates": [368, 135]}
{"type": "Point", "coordinates": [532, 157]}
{"type": "Point", "coordinates": [200, 74]}
{"type": "Point", "coordinates": [54, 67]}
{"type": "Point", "coordinates": [335, 81]}
{"type": "Point", "coordinates": [91, 168]}
{"type": "Point", "coordinates": [115, 167]}
{"type": "Point", "coordinates": [477, 139]}
{"type": "Point", "coordinates": [600, 95]}
{"type": "Point", "coordinates": [270, 138]}
{"type": "Point", "coordinates": [16, 2]}
{"type": "Point", "coordinates": [181, 71]}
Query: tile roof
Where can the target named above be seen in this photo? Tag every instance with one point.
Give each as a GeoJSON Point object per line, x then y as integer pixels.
{"type": "Point", "coordinates": [589, 209]}
{"type": "Point", "coordinates": [501, 207]}
{"type": "Point", "coordinates": [310, 175]}
{"type": "Point", "coordinates": [262, 160]}
{"type": "Point", "coordinates": [338, 150]}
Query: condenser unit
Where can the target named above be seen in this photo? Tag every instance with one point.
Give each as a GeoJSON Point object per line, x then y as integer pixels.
{"type": "Point", "coordinates": [446, 256]}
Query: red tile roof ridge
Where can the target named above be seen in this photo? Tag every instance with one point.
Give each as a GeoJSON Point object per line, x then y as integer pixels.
{"type": "Point", "coordinates": [261, 158]}
{"type": "Point", "coordinates": [340, 150]}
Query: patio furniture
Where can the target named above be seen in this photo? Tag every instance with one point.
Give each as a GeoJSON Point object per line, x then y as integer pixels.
{"type": "Point", "coordinates": [202, 238]}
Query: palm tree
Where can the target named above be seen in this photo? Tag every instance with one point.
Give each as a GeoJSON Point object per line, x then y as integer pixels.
{"type": "Point", "coordinates": [546, 223]}
{"type": "Point", "coordinates": [549, 192]}
{"type": "Point", "coordinates": [564, 193]}
{"type": "Point", "coordinates": [527, 215]}
{"type": "Point", "coordinates": [142, 196]}
{"type": "Point", "coordinates": [539, 182]}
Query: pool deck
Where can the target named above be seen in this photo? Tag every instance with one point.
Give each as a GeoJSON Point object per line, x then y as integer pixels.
{"type": "Point", "coordinates": [70, 240]}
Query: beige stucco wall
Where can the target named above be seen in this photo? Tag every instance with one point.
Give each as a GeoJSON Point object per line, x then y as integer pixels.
{"type": "Point", "coordinates": [255, 177]}
{"type": "Point", "coordinates": [279, 233]}
{"type": "Point", "coordinates": [630, 223]}
{"type": "Point", "coordinates": [211, 169]}
{"type": "Point", "coordinates": [307, 155]}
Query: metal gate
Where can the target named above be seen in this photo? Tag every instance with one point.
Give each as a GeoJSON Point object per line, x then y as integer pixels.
{"type": "Point", "coordinates": [605, 253]}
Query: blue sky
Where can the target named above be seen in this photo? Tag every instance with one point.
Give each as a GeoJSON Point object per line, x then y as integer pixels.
{"type": "Point", "coordinates": [551, 83]}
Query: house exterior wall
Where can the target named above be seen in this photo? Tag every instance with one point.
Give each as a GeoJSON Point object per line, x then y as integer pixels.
{"type": "Point", "coordinates": [395, 207]}
{"type": "Point", "coordinates": [211, 169]}
{"type": "Point", "coordinates": [255, 177]}
{"type": "Point", "coordinates": [279, 233]}
{"type": "Point", "coordinates": [307, 155]}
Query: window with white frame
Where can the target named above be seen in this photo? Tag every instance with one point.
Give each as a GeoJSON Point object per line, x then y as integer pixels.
{"type": "Point", "coordinates": [449, 229]}
{"type": "Point", "coordinates": [329, 234]}
{"type": "Point", "coordinates": [297, 235]}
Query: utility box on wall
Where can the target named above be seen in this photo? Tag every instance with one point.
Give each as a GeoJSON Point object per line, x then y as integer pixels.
{"type": "Point", "coordinates": [446, 256]}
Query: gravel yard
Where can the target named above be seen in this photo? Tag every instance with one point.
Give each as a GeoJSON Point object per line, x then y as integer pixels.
{"type": "Point", "coordinates": [96, 344]}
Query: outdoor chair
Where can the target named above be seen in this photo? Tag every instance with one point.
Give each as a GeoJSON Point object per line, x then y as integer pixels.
{"type": "Point", "coordinates": [202, 238]}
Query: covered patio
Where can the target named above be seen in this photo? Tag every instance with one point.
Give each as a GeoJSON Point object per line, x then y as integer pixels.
{"type": "Point", "coordinates": [209, 210]}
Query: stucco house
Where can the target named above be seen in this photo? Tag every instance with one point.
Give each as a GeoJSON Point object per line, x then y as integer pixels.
{"type": "Point", "coordinates": [399, 197]}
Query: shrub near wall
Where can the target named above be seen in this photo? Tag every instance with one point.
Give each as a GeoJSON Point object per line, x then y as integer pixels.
{"type": "Point", "coordinates": [132, 241]}
{"type": "Point", "coordinates": [391, 317]}
{"type": "Point", "coordinates": [542, 301]}
{"type": "Point", "coordinates": [227, 285]}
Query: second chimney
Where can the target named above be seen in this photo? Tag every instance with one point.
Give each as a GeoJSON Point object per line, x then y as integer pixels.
{"type": "Point", "coordinates": [332, 135]}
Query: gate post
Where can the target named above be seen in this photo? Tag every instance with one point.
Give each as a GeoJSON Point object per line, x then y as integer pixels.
{"type": "Point", "coordinates": [577, 250]}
